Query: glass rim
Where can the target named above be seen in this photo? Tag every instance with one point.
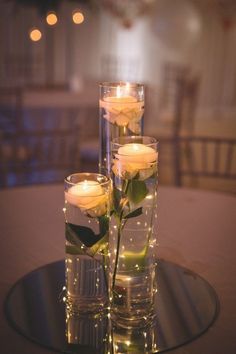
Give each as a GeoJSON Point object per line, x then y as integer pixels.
{"type": "Point", "coordinates": [106, 179]}
{"type": "Point", "coordinates": [152, 140]}
{"type": "Point", "coordinates": [114, 84]}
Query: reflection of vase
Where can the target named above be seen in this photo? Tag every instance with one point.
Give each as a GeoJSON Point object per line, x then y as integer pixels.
{"type": "Point", "coordinates": [87, 215]}
{"type": "Point", "coordinates": [86, 330]}
{"type": "Point", "coordinates": [135, 341]}
{"type": "Point", "coordinates": [132, 241]}
{"type": "Point", "coordinates": [121, 114]}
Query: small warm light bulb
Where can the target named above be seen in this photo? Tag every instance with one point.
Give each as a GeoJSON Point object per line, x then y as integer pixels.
{"type": "Point", "coordinates": [35, 35]}
{"type": "Point", "coordinates": [51, 18]}
{"type": "Point", "coordinates": [77, 17]}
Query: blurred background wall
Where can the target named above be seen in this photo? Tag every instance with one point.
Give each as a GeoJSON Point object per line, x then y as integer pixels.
{"type": "Point", "coordinates": [157, 42]}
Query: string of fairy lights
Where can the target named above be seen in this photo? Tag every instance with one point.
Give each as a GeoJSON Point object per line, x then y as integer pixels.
{"type": "Point", "coordinates": [35, 34]}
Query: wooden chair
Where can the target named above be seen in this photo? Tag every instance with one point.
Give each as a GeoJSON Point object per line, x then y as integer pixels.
{"type": "Point", "coordinates": [206, 157]}
{"type": "Point", "coordinates": [179, 98]}
{"type": "Point", "coordinates": [177, 108]}
{"type": "Point", "coordinates": [43, 148]}
{"type": "Point", "coordinates": [10, 108]}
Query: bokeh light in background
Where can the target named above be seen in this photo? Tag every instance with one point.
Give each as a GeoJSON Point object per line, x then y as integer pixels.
{"type": "Point", "coordinates": [51, 18]}
{"type": "Point", "coordinates": [77, 17]}
{"type": "Point", "coordinates": [35, 34]}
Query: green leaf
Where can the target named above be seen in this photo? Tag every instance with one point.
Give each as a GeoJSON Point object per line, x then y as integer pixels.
{"type": "Point", "coordinates": [103, 225]}
{"type": "Point", "coordinates": [77, 234]}
{"type": "Point", "coordinates": [74, 250]}
{"type": "Point", "coordinates": [135, 261]}
{"type": "Point", "coordinates": [134, 213]}
{"type": "Point", "coordinates": [71, 237]}
{"type": "Point", "coordinates": [137, 191]}
{"type": "Point", "coordinates": [84, 240]}
{"type": "Point", "coordinates": [116, 198]}
{"type": "Point", "coordinates": [100, 246]}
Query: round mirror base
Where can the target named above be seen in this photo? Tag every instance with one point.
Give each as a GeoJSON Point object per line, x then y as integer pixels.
{"type": "Point", "coordinates": [186, 307]}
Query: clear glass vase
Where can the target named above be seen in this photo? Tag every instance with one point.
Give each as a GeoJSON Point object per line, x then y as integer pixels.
{"type": "Point", "coordinates": [132, 240]}
{"type": "Point", "coordinates": [121, 114]}
{"type": "Point", "coordinates": [87, 217]}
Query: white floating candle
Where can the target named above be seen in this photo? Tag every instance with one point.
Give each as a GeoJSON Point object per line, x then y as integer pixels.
{"type": "Point", "coordinates": [122, 108]}
{"type": "Point", "coordinates": [133, 159]}
{"type": "Point", "coordinates": [134, 152]}
{"type": "Point", "coordinates": [85, 195]}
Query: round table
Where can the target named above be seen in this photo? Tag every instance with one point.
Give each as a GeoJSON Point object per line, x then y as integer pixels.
{"type": "Point", "coordinates": [196, 229]}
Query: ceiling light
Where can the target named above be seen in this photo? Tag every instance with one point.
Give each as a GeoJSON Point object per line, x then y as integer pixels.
{"type": "Point", "coordinates": [77, 17]}
{"type": "Point", "coordinates": [35, 35]}
{"type": "Point", "coordinates": [51, 18]}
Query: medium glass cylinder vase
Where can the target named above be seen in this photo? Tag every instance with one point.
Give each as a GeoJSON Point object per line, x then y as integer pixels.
{"type": "Point", "coordinates": [132, 238]}
{"type": "Point", "coordinates": [87, 216]}
{"type": "Point", "coordinates": [121, 114]}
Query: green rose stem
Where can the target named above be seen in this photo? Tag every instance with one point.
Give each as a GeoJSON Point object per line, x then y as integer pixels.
{"type": "Point", "coordinates": [117, 257]}
{"type": "Point", "coordinates": [121, 225]}
{"type": "Point", "coordinates": [104, 256]}
{"type": "Point", "coordinates": [122, 130]}
{"type": "Point", "coordinates": [126, 185]}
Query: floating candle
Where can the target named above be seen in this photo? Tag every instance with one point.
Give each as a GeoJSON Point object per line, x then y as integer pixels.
{"type": "Point", "coordinates": [133, 159]}
{"type": "Point", "coordinates": [122, 108]}
{"type": "Point", "coordinates": [86, 195]}
{"type": "Point", "coordinates": [134, 152]}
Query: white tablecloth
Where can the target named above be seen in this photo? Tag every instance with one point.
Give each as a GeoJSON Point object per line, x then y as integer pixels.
{"type": "Point", "coordinates": [196, 229]}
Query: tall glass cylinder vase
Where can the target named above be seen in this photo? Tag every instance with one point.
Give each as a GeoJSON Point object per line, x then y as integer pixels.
{"type": "Point", "coordinates": [121, 114]}
{"type": "Point", "coordinates": [87, 217]}
{"type": "Point", "coordinates": [132, 240]}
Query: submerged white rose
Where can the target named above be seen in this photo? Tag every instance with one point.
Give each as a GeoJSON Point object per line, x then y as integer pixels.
{"type": "Point", "coordinates": [124, 111]}
{"type": "Point", "coordinates": [89, 196]}
{"type": "Point", "coordinates": [135, 159]}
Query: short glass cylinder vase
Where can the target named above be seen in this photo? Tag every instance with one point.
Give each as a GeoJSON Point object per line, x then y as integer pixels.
{"type": "Point", "coordinates": [87, 216]}
{"type": "Point", "coordinates": [121, 114]}
{"type": "Point", "coordinates": [132, 239]}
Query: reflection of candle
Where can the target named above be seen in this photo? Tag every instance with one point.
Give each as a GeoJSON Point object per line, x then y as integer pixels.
{"type": "Point", "coordinates": [122, 108]}
{"type": "Point", "coordinates": [86, 194]}
{"type": "Point", "coordinates": [136, 153]}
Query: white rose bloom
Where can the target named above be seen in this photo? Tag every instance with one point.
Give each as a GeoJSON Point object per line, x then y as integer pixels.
{"type": "Point", "coordinates": [123, 114]}
{"type": "Point", "coordinates": [90, 197]}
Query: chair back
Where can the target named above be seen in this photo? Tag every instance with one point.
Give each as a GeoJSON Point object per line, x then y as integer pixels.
{"type": "Point", "coordinates": [179, 96]}
{"type": "Point", "coordinates": [207, 157]}
{"type": "Point", "coordinates": [43, 147]}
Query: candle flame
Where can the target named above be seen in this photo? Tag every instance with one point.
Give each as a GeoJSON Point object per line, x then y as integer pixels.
{"type": "Point", "coordinates": [136, 147]}
{"type": "Point", "coordinates": [85, 185]}
{"type": "Point", "coordinates": [118, 91]}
